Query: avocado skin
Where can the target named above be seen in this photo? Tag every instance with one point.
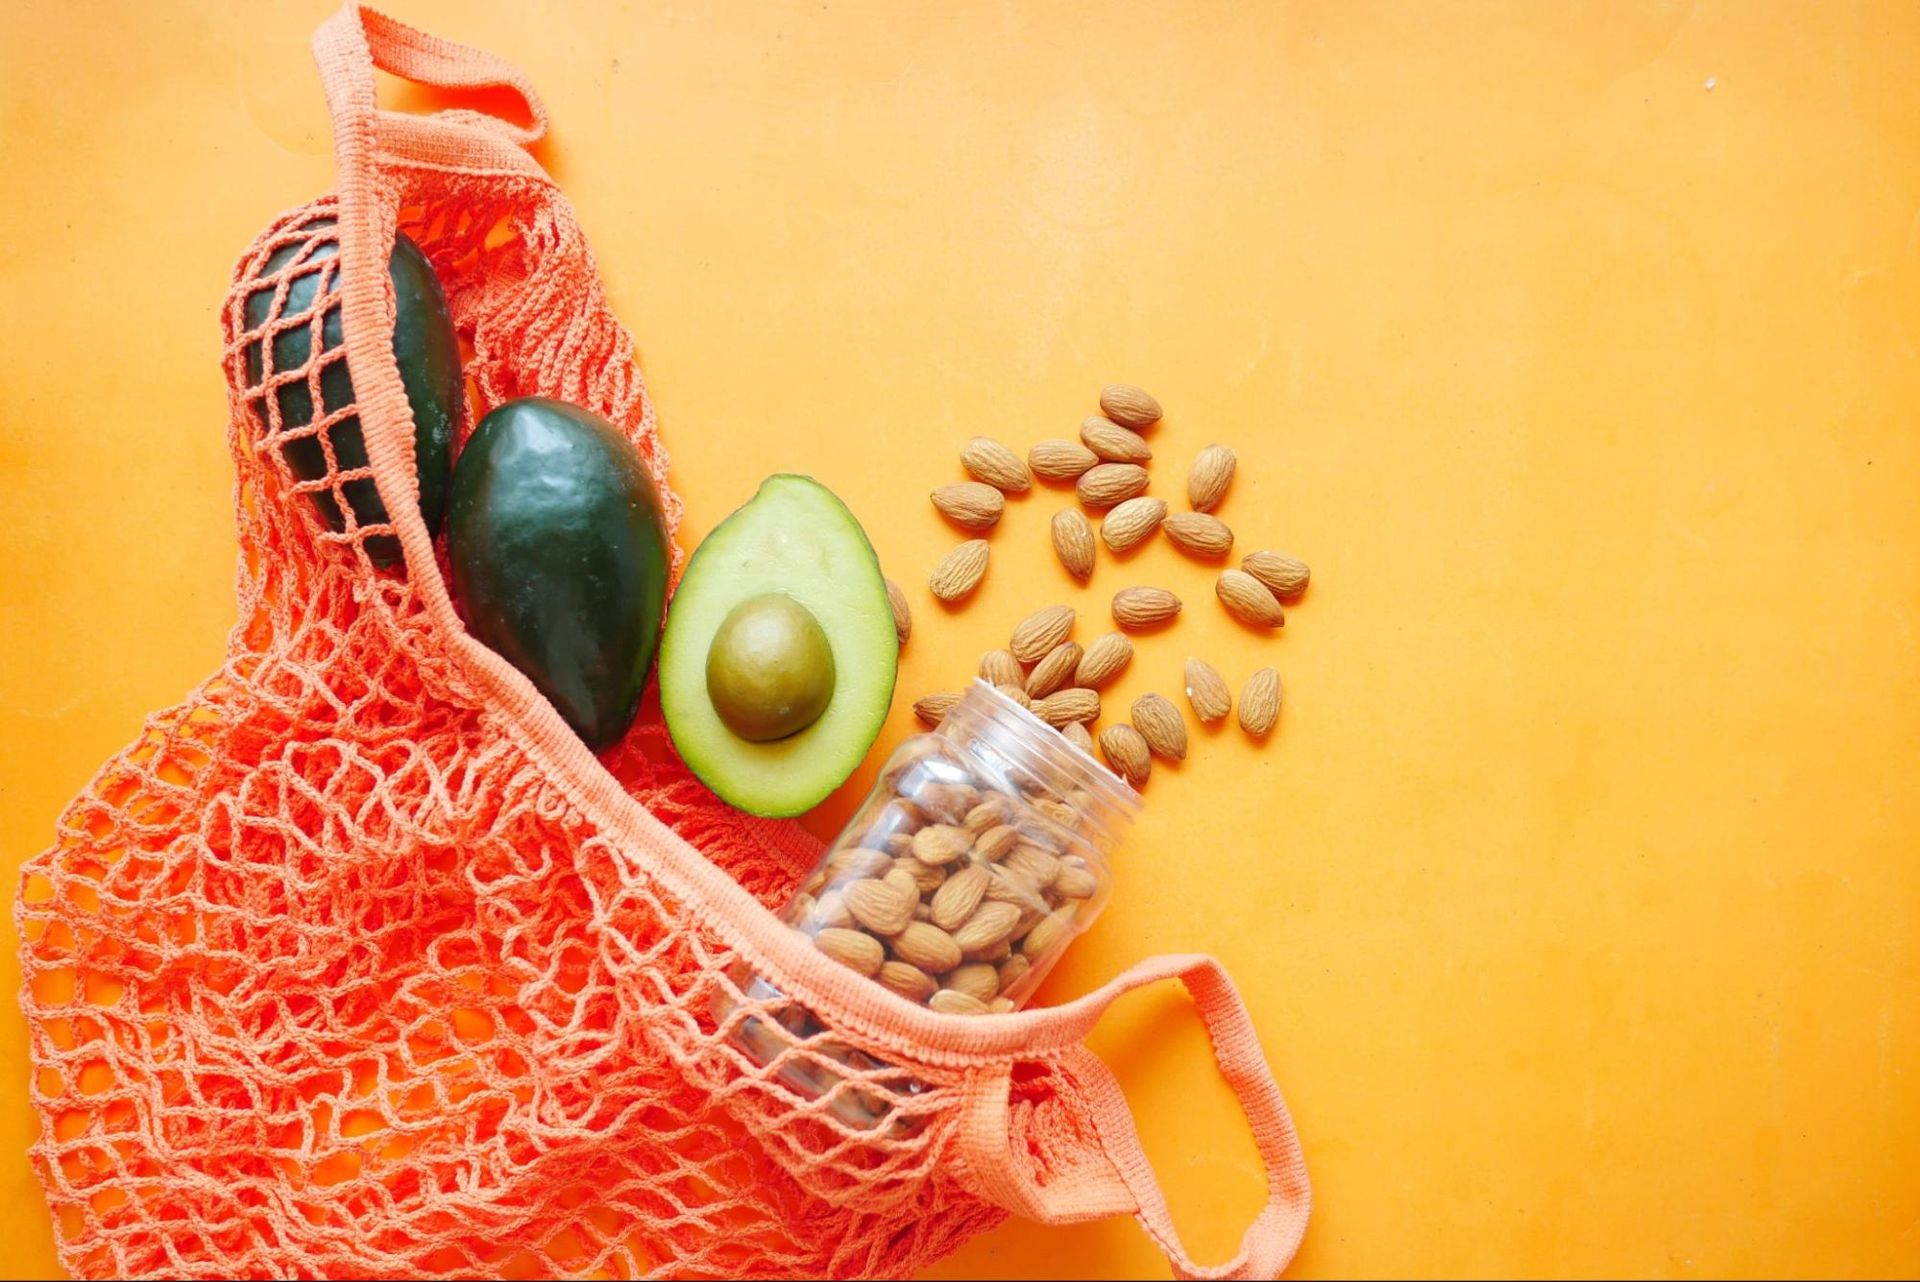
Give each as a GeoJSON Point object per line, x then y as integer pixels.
{"type": "Point", "coordinates": [559, 556]}
{"type": "Point", "coordinates": [425, 348]}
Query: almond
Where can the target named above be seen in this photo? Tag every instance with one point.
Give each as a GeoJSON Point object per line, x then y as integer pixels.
{"type": "Point", "coordinates": [925, 945]}
{"type": "Point", "coordinates": [1054, 671]}
{"type": "Point", "coordinates": [1076, 881]}
{"type": "Point", "coordinates": [1207, 693]}
{"type": "Point", "coordinates": [939, 844]}
{"type": "Point", "coordinates": [1199, 534]}
{"type": "Point", "coordinates": [830, 910]}
{"type": "Point", "coordinates": [1076, 733]}
{"type": "Point", "coordinates": [1014, 890]}
{"type": "Point", "coordinates": [933, 709]}
{"type": "Point", "coordinates": [1159, 723]}
{"type": "Point", "coordinates": [907, 980]}
{"type": "Point", "coordinates": [1000, 668]}
{"type": "Point", "coordinates": [902, 616]}
{"type": "Point", "coordinates": [1058, 460]}
{"type": "Point", "coordinates": [1111, 483]}
{"type": "Point", "coordinates": [1013, 970]}
{"type": "Point", "coordinates": [949, 1001]}
{"type": "Point", "coordinates": [1114, 443]}
{"type": "Point", "coordinates": [1132, 523]}
{"type": "Point", "coordinates": [970, 505]}
{"type": "Point", "coordinates": [1285, 576]}
{"type": "Point", "coordinates": [995, 843]}
{"type": "Point", "coordinates": [1002, 1006]}
{"type": "Point", "coordinates": [959, 571]}
{"type": "Point", "coordinates": [988, 460]}
{"type": "Point", "coordinates": [1126, 751]}
{"type": "Point", "coordinates": [1073, 542]}
{"type": "Point", "coordinates": [1036, 866]}
{"type": "Point", "coordinates": [1051, 931]}
{"type": "Point", "coordinates": [1017, 694]}
{"type": "Point", "coordinates": [955, 901]}
{"type": "Point", "coordinates": [1036, 635]}
{"type": "Point", "coordinates": [913, 877]}
{"type": "Point", "coordinates": [1129, 406]}
{"type": "Point", "coordinates": [990, 924]}
{"type": "Point", "coordinates": [992, 812]}
{"type": "Point", "coordinates": [1144, 607]}
{"type": "Point", "coordinates": [977, 980]}
{"type": "Point", "coordinates": [852, 948]}
{"type": "Point", "coordinates": [858, 861]}
{"type": "Point", "coordinates": [1260, 702]}
{"type": "Point", "coordinates": [1248, 600]}
{"type": "Point", "coordinates": [1208, 478]}
{"type": "Point", "coordinates": [1071, 704]}
{"type": "Point", "coordinates": [1103, 660]}
{"type": "Point", "coordinates": [879, 907]}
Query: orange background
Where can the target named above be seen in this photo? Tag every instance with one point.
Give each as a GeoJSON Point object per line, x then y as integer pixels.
{"type": "Point", "coordinates": [1576, 895]}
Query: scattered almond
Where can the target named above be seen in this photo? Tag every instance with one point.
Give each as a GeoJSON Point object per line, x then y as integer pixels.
{"type": "Point", "coordinates": [1129, 406]}
{"type": "Point", "coordinates": [1144, 607]}
{"type": "Point", "coordinates": [988, 460]}
{"type": "Point", "coordinates": [1285, 576]}
{"type": "Point", "coordinates": [1058, 460]}
{"type": "Point", "coordinates": [933, 709]}
{"type": "Point", "coordinates": [1103, 660]}
{"type": "Point", "coordinates": [1073, 542]}
{"type": "Point", "coordinates": [1040, 631]}
{"type": "Point", "coordinates": [1000, 668]}
{"type": "Point", "coordinates": [960, 571]}
{"type": "Point", "coordinates": [1076, 733]}
{"type": "Point", "coordinates": [1206, 691]}
{"type": "Point", "coordinates": [1260, 702]}
{"type": "Point", "coordinates": [970, 505]}
{"type": "Point", "coordinates": [1248, 600]}
{"type": "Point", "coordinates": [1199, 534]}
{"type": "Point", "coordinates": [1209, 477]}
{"type": "Point", "coordinates": [851, 948]}
{"type": "Point", "coordinates": [1113, 443]}
{"type": "Point", "coordinates": [1071, 704]}
{"type": "Point", "coordinates": [902, 616]}
{"type": "Point", "coordinates": [1160, 724]}
{"type": "Point", "coordinates": [1111, 483]}
{"type": "Point", "coordinates": [1055, 671]}
{"type": "Point", "coordinates": [1132, 523]}
{"type": "Point", "coordinates": [1126, 751]}
{"type": "Point", "coordinates": [925, 945]}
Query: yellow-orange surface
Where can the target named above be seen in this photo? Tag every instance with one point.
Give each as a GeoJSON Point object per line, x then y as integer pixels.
{"type": "Point", "coordinates": [1576, 346]}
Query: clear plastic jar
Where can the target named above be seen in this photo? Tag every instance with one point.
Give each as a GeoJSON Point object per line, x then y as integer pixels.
{"type": "Point", "coordinates": [980, 855]}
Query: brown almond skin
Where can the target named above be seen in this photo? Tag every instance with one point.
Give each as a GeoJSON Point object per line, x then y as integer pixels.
{"type": "Point", "coordinates": [1248, 600]}
{"type": "Point", "coordinates": [1285, 576]}
{"type": "Point", "coordinates": [1207, 691]}
{"type": "Point", "coordinates": [1060, 460]}
{"type": "Point", "coordinates": [1103, 660]}
{"type": "Point", "coordinates": [1036, 635]}
{"type": "Point", "coordinates": [971, 505]}
{"type": "Point", "coordinates": [1132, 523]}
{"type": "Point", "coordinates": [902, 613]}
{"type": "Point", "coordinates": [1208, 479]}
{"type": "Point", "coordinates": [1073, 542]}
{"type": "Point", "coordinates": [932, 709]}
{"type": "Point", "coordinates": [959, 571]}
{"type": "Point", "coordinates": [1000, 668]}
{"type": "Point", "coordinates": [1144, 607]}
{"type": "Point", "coordinates": [1111, 483]}
{"type": "Point", "coordinates": [1129, 406]}
{"type": "Point", "coordinates": [988, 460]}
{"type": "Point", "coordinates": [1126, 751]}
{"type": "Point", "coordinates": [1260, 702]}
{"type": "Point", "coordinates": [1112, 443]}
{"type": "Point", "coordinates": [1161, 725]}
{"type": "Point", "coordinates": [1055, 671]}
{"type": "Point", "coordinates": [1198, 534]}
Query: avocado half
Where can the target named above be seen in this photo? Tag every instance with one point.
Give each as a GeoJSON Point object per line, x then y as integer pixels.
{"type": "Point", "coordinates": [793, 537]}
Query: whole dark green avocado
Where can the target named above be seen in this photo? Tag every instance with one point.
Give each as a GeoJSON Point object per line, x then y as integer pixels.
{"type": "Point", "coordinates": [559, 557]}
{"type": "Point", "coordinates": [425, 348]}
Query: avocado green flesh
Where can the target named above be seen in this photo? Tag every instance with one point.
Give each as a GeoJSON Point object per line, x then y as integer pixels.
{"type": "Point", "coordinates": [793, 537]}
{"type": "Point", "coordinates": [559, 557]}
{"type": "Point", "coordinates": [770, 669]}
{"type": "Point", "coordinates": [427, 352]}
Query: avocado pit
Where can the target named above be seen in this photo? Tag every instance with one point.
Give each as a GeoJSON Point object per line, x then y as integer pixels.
{"type": "Point", "coordinates": [770, 670]}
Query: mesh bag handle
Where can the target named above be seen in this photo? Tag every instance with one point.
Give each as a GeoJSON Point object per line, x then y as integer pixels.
{"type": "Point", "coordinates": [1121, 1180]}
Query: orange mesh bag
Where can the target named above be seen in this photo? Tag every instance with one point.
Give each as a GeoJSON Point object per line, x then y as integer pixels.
{"type": "Point", "coordinates": [357, 963]}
